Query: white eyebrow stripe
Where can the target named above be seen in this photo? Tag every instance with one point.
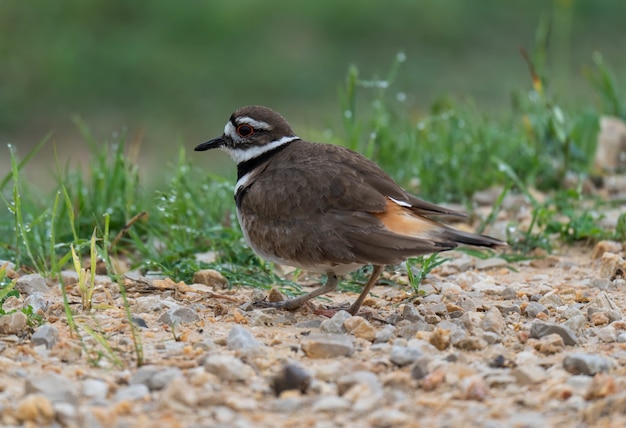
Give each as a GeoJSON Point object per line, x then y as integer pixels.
{"type": "Point", "coordinates": [401, 203]}
{"type": "Point", "coordinates": [230, 130]}
{"type": "Point", "coordinates": [258, 124]}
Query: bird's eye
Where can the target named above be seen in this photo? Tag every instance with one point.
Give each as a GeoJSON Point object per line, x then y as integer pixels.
{"type": "Point", "coordinates": [245, 130]}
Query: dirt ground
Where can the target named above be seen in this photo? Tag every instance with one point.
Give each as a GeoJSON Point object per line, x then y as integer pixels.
{"type": "Point", "coordinates": [487, 343]}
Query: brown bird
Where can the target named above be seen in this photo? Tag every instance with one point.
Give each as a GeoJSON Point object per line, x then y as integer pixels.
{"type": "Point", "coordinates": [325, 208]}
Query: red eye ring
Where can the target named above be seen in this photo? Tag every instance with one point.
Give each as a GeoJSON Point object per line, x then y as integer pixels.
{"type": "Point", "coordinates": [244, 130]}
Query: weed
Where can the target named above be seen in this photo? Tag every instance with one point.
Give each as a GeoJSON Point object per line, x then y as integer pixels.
{"type": "Point", "coordinates": [419, 267]}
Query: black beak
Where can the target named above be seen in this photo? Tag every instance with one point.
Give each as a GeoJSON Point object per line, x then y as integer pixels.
{"type": "Point", "coordinates": [215, 143]}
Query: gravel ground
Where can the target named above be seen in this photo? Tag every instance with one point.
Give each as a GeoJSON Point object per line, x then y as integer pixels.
{"type": "Point", "coordinates": [488, 344]}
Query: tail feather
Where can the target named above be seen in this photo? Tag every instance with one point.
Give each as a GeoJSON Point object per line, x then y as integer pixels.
{"type": "Point", "coordinates": [459, 237]}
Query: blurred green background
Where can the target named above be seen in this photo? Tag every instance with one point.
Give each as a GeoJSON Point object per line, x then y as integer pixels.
{"type": "Point", "coordinates": [170, 73]}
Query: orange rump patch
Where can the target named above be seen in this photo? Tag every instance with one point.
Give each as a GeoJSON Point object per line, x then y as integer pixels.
{"type": "Point", "coordinates": [403, 221]}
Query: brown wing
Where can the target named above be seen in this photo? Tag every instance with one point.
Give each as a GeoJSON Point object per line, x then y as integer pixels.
{"type": "Point", "coordinates": [347, 215]}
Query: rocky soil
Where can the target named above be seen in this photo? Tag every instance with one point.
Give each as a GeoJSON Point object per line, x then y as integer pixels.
{"type": "Point", "coordinates": [529, 344]}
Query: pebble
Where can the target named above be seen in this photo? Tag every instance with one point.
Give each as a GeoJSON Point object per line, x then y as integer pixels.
{"type": "Point", "coordinates": [239, 338]}
{"type": "Point", "coordinates": [383, 418]}
{"type": "Point", "coordinates": [607, 334]}
{"type": "Point", "coordinates": [493, 321]}
{"type": "Point", "coordinates": [385, 334]}
{"type": "Point", "coordinates": [471, 343]}
{"type": "Point", "coordinates": [155, 377]}
{"type": "Point", "coordinates": [335, 324]}
{"type": "Point", "coordinates": [410, 313]}
{"type": "Point", "coordinates": [46, 335]}
{"type": "Point", "coordinates": [260, 318]}
{"type": "Point", "coordinates": [550, 344]}
{"type": "Point", "coordinates": [178, 396]}
{"type": "Point", "coordinates": [361, 328]}
{"type": "Point", "coordinates": [95, 388]}
{"type": "Point", "coordinates": [509, 309]}
{"type": "Point", "coordinates": [534, 308]}
{"type": "Point", "coordinates": [55, 387]}
{"type": "Point", "coordinates": [539, 329]}
{"type": "Point", "coordinates": [551, 300]}
{"type": "Point", "coordinates": [66, 414]}
{"type": "Point", "coordinates": [490, 263]}
{"type": "Point", "coordinates": [528, 374]}
{"type": "Point", "coordinates": [330, 404]}
{"type": "Point", "coordinates": [587, 364]}
{"type": "Point", "coordinates": [420, 368]}
{"type": "Point", "coordinates": [179, 315]}
{"type": "Point", "coordinates": [210, 277]}
{"type": "Point", "coordinates": [404, 355]}
{"type": "Point", "coordinates": [576, 322]}
{"type": "Point", "coordinates": [131, 392]}
{"type": "Point", "coordinates": [38, 302]}
{"type": "Point", "coordinates": [326, 345]}
{"type": "Point", "coordinates": [291, 376]}
{"type": "Point", "coordinates": [228, 368]}
{"type": "Point", "coordinates": [33, 283]}
{"type": "Point", "coordinates": [474, 388]}
{"type": "Point", "coordinates": [35, 409]}
{"type": "Point", "coordinates": [611, 265]}
{"type": "Point", "coordinates": [13, 323]}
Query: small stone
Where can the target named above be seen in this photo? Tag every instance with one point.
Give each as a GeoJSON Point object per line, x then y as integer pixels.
{"type": "Point", "coordinates": [260, 318]}
{"type": "Point", "coordinates": [599, 318]}
{"type": "Point", "coordinates": [607, 334]}
{"type": "Point", "coordinates": [576, 322]}
{"type": "Point", "coordinates": [13, 323]}
{"type": "Point", "coordinates": [605, 247]}
{"type": "Point", "coordinates": [419, 369]}
{"type": "Point", "coordinates": [55, 387]}
{"type": "Point", "coordinates": [360, 327]}
{"type": "Point", "coordinates": [330, 404]}
{"type": "Point", "coordinates": [384, 334]}
{"type": "Point", "coordinates": [587, 364]}
{"type": "Point", "coordinates": [228, 368]}
{"type": "Point", "coordinates": [490, 337]}
{"type": "Point", "coordinates": [471, 343]}
{"type": "Point", "coordinates": [433, 380]}
{"type": "Point", "coordinates": [490, 263]}
{"type": "Point", "coordinates": [35, 409]}
{"type": "Point", "coordinates": [139, 322]}
{"type": "Point", "coordinates": [291, 377]}
{"type": "Point", "coordinates": [409, 313]}
{"type": "Point", "coordinates": [178, 396]}
{"type": "Point", "coordinates": [210, 277]}
{"type": "Point", "coordinates": [528, 375]}
{"type": "Point", "coordinates": [335, 324]}
{"type": "Point", "coordinates": [493, 321]}
{"type": "Point", "coordinates": [66, 414]}
{"type": "Point", "coordinates": [550, 344]}
{"type": "Point", "coordinates": [404, 355]}
{"type": "Point", "coordinates": [610, 145]}
{"type": "Point", "coordinates": [38, 302]}
{"type": "Point", "coordinates": [600, 283]}
{"type": "Point", "coordinates": [240, 338]}
{"type": "Point", "coordinates": [534, 308]}
{"type": "Point", "coordinates": [621, 338]}
{"type": "Point", "coordinates": [540, 329]}
{"type": "Point", "coordinates": [474, 388]}
{"type": "Point", "coordinates": [327, 345]}
{"type": "Point", "coordinates": [510, 309]}
{"type": "Point", "coordinates": [46, 335]}
{"type": "Point", "coordinates": [486, 284]}
{"type": "Point", "coordinates": [95, 388]}
{"type": "Point", "coordinates": [602, 385]}
{"type": "Point", "coordinates": [383, 418]}
{"type": "Point", "coordinates": [612, 266]}
{"type": "Point", "coordinates": [131, 392]}
{"type": "Point", "coordinates": [33, 283]}
{"type": "Point", "coordinates": [155, 377]}
{"type": "Point", "coordinates": [551, 300]}
{"type": "Point", "coordinates": [440, 338]}
{"type": "Point", "coordinates": [179, 315]}
{"type": "Point", "coordinates": [275, 295]}
{"type": "Point", "coordinates": [316, 323]}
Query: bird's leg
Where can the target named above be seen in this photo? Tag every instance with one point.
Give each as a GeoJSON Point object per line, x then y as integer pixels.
{"type": "Point", "coordinates": [354, 309]}
{"type": "Point", "coordinates": [296, 302]}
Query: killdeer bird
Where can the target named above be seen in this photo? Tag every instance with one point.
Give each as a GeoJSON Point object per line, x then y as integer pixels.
{"type": "Point", "coordinates": [325, 208]}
